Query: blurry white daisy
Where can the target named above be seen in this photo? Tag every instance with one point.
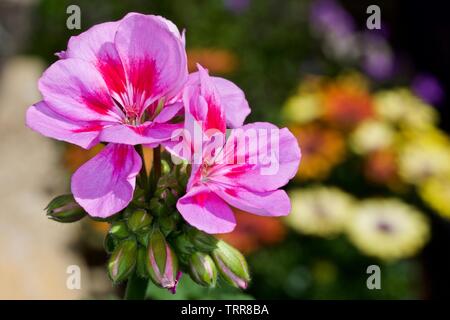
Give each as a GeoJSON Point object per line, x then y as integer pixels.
{"type": "Point", "coordinates": [322, 211]}
{"type": "Point", "coordinates": [388, 229]}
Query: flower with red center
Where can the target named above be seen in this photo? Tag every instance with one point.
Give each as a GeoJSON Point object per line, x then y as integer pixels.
{"type": "Point", "coordinates": [243, 169]}
{"type": "Point", "coordinates": [115, 83]}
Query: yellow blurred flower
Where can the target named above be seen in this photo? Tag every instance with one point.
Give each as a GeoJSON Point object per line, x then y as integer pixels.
{"type": "Point", "coordinates": [322, 211]}
{"type": "Point", "coordinates": [302, 108]}
{"type": "Point", "coordinates": [388, 229]}
{"type": "Point", "coordinates": [370, 136]}
{"type": "Point", "coordinates": [436, 193]}
{"type": "Point", "coordinates": [322, 149]}
{"type": "Point", "coordinates": [423, 155]}
{"type": "Point", "coordinates": [401, 107]}
{"type": "Point", "coordinates": [347, 102]}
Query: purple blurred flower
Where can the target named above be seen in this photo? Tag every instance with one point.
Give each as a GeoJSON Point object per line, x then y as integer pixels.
{"type": "Point", "coordinates": [237, 6]}
{"type": "Point", "coordinates": [428, 88]}
{"type": "Point", "coordinates": [328, 16]}
{"type": "Point", "coordinates": [378, 58]}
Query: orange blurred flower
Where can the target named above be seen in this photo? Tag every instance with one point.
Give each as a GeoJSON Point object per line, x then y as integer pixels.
{"type": "Point", "coordinates": [322, 149]}
{"type": "Point", "coordinates": [252, 232]}
{"type": "Point", "coordinates": [215, 60]}
{"type": "Point", "coordinates": [347, 102]}
{"type": "Point", "coordinates": [381, 167]}
{"type": "Point", "coordinates": [75, 156]}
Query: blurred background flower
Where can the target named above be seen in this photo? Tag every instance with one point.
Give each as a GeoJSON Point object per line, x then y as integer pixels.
{"type": "Point", "coordinates": [388, 229]}
{"type": "Point", "coordinates": [321, 149]}
{"type": "Point", "coordinates": [321, 211]}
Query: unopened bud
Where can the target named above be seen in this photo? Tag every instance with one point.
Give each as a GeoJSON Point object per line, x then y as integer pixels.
{"type": "Point", "coordinates": [184, 248]}
{"type": "Point", "coordinates": [167, 223]}
{"type": "Point", "coordinates": [142, 238]}
{"type": "Point", "coordinates": [162, 263]}
{"type": "Point", "coordinates": [167, 181]}
{"type": "Point", "coordinates": [168, 197]}
{"type": "Point", "coordinates": [165, 167]}
{"type": "Point", "coordinates": [139, 221]}
{"type": "Point", "coordinates": [109, 243]}
{"type": "Point", "coordinates": [231, 264]}
{"type": "Point", "coordinates": [64, 208]}
{"type": "Point", "coordinates": [119, 230]}
{"type": "Point", "coordinates": [157, 207]}
{"type": "Point", "coordinates": [202, 241]}
{"type": "Point", "coordinates": [203, 270]}
{"type": "Point", "coordinates": [122, 261]}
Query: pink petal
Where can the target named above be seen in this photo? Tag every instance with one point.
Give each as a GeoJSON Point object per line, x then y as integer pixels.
{"type": "Point", "coordinates": [75, 89]}
{"type": "Point", "coordinates": [146, 133]}
{"type": "Point", "coordinates": [233, 99]}
{"type": "Point", "coordinates": [169, 112]}
{"type": "Point", "coordinates": [42, 119]}
{"type": "Point", "coordinates": [206, 211]}
{"type": "Point", "coordinates": [154, 59]}
{"type": "Point", "coordinates": [173, 28]}
{"type": "Point", "coordinates": [105, 184]}
{"type": "Point", "coordinates": [89, 45]}
{"type": "Point", "coordinates": [202, 102]}
{"type": "Point", "coordinates": [96, 46]}
{"type": "Point", "coordinates": [272, 203]}
{"type": "Point", "coordinates": [270, 160]}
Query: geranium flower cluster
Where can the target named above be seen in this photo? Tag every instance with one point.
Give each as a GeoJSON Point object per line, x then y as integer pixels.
{"type": "Point", "coordinates": [125, 84]}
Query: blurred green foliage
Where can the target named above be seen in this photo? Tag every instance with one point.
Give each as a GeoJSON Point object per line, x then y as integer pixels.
{"type": "Point", "coordinates": [270, 40]}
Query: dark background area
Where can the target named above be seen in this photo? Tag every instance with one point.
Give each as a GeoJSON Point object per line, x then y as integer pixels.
{"type": "Point", "coordinates": [420, 32]}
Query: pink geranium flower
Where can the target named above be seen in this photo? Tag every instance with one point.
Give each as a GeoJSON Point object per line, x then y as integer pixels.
{"type": "Point", "coordinates": [115, 83]}
{"type": "Point", "coordinates": [229, 172]}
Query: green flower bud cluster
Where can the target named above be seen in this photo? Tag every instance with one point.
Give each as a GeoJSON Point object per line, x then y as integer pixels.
{"type": "Point", "coordinates": [149, 238]}
{"type": "Point", "coordinates": [206, 259]}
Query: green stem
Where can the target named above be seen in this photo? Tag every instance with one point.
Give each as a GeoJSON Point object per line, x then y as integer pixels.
{"type": "Point", "coordinates": [155, 173]}
{"type": "Point", "coordinates": [143, 178]}
{"type": "Point", "coordinates": [157, 163]}
{"type": "Point", "coordinates": [136, 288]}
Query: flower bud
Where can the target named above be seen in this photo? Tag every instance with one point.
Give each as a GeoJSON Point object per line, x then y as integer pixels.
{"type": "Point", "coordinates": [122, 261]}
{"type": "Point", "coordinates": [184, 248]}
{"type": "Point", "coordinates": [65, 209]}
{"type": "Point", "coordinates": [203, 270]}
{"type": "Point", "coordinates": [157, 207]}
{"type": "Point", "coordinates": [161, 262]}
{"type": "Point", "coordinates": [202, 241]}
{"type": "Point", "coordinates": [109, 243]}
{"type": "Point", "coordinates": [142, 238]}
{"type": "Point", "coordinates": [165, 167]}
{"type": "Point", "coordinates": [231, 264]}
{"type": "Point", "coordinates": [167, 223]}
{"type": "Point", "coordinates": [168, 197]}
{"type": "Point", "coordinates": [139, 221]}
{"type": "Point", "coordinates": [119, 230]}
